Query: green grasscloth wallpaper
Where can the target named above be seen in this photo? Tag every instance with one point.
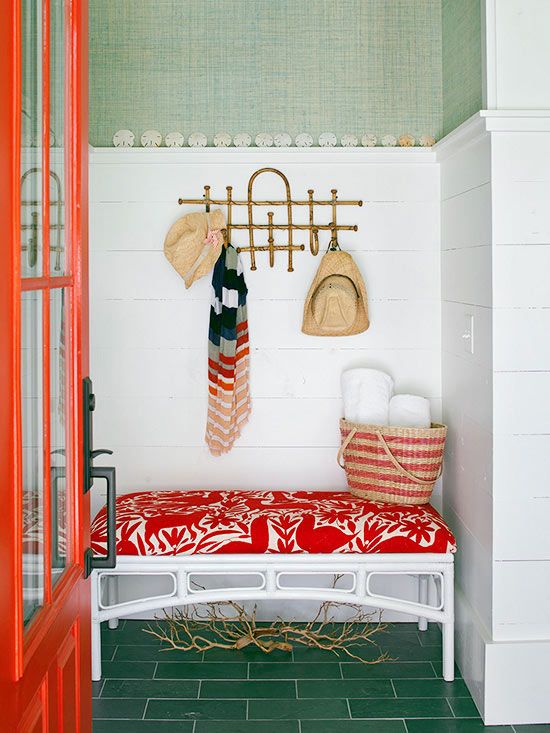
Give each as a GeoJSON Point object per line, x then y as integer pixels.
{"type": "Point", "coordinates": [267, 65]}
{"type": "Point", "coordinates": [462, 62]}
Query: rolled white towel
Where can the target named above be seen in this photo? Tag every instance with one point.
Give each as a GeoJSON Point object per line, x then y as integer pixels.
{"type": "Point", "coordinates": [410, 411]}
{"type": "Point", "coordinates": [366, 394]}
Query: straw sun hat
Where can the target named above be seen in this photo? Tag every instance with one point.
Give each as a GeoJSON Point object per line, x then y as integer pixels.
{"type": "Point", "coordinates": [193, 244]}
{"type": "Point", "coordinates": [336, 304]}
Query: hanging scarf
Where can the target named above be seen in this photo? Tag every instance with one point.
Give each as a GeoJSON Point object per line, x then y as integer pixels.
{"type": "Point", "coordinates": [228, 388]}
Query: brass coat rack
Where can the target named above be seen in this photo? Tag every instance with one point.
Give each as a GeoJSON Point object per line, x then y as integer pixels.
{"type": "Point", "coordinates": [290, 227]}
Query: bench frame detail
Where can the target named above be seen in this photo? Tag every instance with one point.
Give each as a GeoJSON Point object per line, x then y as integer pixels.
{"type": "Point", "coordinates": [435, 601]}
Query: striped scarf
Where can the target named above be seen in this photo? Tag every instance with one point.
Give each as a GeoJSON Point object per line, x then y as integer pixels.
{"type": "Point", "coordinates": [228, 391]}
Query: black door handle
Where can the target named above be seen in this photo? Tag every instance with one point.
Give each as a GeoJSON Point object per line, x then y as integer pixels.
{"type": "Point", "coordinates": [91, 562]}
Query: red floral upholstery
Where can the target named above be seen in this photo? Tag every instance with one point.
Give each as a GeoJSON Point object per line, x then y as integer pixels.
{"type": "Point", "coordinates": [210, 522]}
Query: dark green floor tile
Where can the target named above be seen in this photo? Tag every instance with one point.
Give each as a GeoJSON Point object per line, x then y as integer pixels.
{"type": "Point", "coordinates": [248, 726]}
{"type": "Point", "coordinates": [151, 688]}
{"type": "Point", "coordinates": [454, 726]}
{"type": "Point", "coordinates": [118, 708]}
{"type": "Point", "coordinates": [96, 688]}
{"type": "Point", "coordinates": [128, 670]}
{"type": "Point", "coordinates": [431, 637]}
{"type": "Point", "coordinates": [150, 653]}
{"type": "Point", "coordinates": [202, 671]}
{"type": "Point", "coordinates": [430, 688]}
{"type": "Point", "coordinates": [404, 707]}
{"type": "Point", "coordinates": [141, 726]}
{"type": "Point", "coordinates": [196, 710]}
{"type": "Point", "coordinates": [130, 632]}
{"type": "Point", "coordinates": [387, 670]}
{"type": "Point", "coordinates": [402, 648]}
{"type": "Point", "coordinates": [297, 709]}
{"type": "Point", "coordinates": [248, 689]}
{"type": "Point", "coordinates": [464, 707]}
{"type": "Point", "coordinates": [395, 629]}
{"type": "Point", "coordinates": [540, 728]}
{"type": "Point", "coordinates": [296, 671]}
{"type": "Point", "coordinates": [305, 654]}
{"type": "Point", "coordinates": [107, 652]}
{"type": "Point", "coordinates": [248, 654]}
{"type": "Point", "coordinates": [409, 649]}
{"type": "Point", "coordinates": [354, 726]}
{"type": "Point", "coordinates": [345, 688]}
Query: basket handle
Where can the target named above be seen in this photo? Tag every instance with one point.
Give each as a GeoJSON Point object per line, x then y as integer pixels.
{"type": "Point", "coordinates": [344, 445]}
{"type": "Point", "coordinates": [402, 469]}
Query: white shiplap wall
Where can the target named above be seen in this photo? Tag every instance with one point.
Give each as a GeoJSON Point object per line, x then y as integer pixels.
{"type": "Point", "coordinates": [148, 334]}
{"type": "Point", "coordinates": [495, 262]}
{"type": "Point", "coordinates": [466, 291]}
{"type": "Point", "coordinates": [522, 384]}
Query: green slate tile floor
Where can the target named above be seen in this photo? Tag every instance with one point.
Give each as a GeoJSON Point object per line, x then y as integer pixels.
{"type": "Point", "coordinates": [147, 688]}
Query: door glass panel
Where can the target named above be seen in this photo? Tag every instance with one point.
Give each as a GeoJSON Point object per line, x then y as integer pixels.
{"type": "Point", "coordinates": [57, 137]}
{"type": "Point", "coordinates": [31, 139]}
{"type": "Point", "coordinates": [32, 452]}
{"type": "Point", "coordinates": [58, 430]}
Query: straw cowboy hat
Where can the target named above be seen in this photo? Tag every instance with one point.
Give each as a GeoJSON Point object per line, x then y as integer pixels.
{"type": "Point", "coordinates": [336, 304]}
{"type": "Point", "coordinates": [193, 244]}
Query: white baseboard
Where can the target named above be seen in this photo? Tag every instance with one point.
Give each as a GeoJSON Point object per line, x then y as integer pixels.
{"type": "Point", "coordinates": [508, 680]}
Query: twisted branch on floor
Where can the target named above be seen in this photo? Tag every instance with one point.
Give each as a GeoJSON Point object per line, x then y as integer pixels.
{"type": "Point", "coordinates": [227, 625]}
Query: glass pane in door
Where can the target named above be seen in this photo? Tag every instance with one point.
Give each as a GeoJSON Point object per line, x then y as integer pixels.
{"type": "Point", "coordinates": [31, 139]}
{"type": "Point", "coordinates": [58, 431]}
{"type": "Point", "coordinates": [57, 137]}
{"type": "Point", "coordinates": [32, 424]}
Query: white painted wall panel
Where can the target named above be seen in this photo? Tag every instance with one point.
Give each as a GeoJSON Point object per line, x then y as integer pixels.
{"type": "Point", "coordinates": [394, 225]}
{"type": "Point", "coordinates": [521, 339]}
{"type": "Point", "coordinates": [464, 220]}
{"type": "Point", "coordinates": [466, 290]}
{"type": "Point", "coordinates": [149, 334]}
{"type": "Point", "coordinates": [395, 324]}
{"type": "Point", "coordinates": [521, 599]}
{"type": "Point", "coordinates": [468, 168]}
{"type": "Point", "coordinates": [148, 275]}
{"type": "Point", "coordinates": [277, 373]}
{"type": "Point", "coordinates": [521, 403]}
{"type": "Point", "coordinates": [466, 275]}
{"type": "Point", "coordinates": [522, 54]}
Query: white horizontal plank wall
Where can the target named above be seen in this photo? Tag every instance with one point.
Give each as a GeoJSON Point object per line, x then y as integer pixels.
{"type": "Point", "coordinates": [466, 293]}
{"type": "Point", "coordinates": [149, 334]}
{"type": "Point", "coordinates": [521, 575]}
{"type": "Point", "coordinates": [518, 690]}
{"type": "Point", "coordinates": [518, 54]}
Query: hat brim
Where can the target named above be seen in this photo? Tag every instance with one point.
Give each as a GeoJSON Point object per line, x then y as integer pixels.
{"type": "Point", "coordinates": [337, 263]}
{"type": "Point", "coordinates": [184, 244]}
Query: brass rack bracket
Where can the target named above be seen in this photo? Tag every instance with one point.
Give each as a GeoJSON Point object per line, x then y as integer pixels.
{"type": "Point", "coordinates": [290, 227]}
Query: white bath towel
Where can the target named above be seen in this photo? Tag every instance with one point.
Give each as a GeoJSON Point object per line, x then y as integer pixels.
{"type": "Point", "coordinates": [409, 410]}
{"type": "Point", "coordinates": [366, 394]}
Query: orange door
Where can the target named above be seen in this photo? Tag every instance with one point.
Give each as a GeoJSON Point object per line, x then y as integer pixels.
{"type": "Point", "coordinates": [44, 514]}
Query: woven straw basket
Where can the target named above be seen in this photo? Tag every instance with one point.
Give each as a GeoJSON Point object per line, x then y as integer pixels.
{"type": "Point", "coordinates": [392, 464]}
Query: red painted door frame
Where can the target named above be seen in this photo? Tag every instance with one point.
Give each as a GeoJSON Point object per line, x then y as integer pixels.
{"type": "Point", "coordinates": [45, 671]}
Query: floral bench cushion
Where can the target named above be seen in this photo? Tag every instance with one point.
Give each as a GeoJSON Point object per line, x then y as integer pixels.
{"type": "Point", "coordinates": [211, 521]}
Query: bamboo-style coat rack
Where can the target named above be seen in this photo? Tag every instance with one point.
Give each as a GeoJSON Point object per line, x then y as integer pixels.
{"type": "Point", "coordinates": [290, 227]}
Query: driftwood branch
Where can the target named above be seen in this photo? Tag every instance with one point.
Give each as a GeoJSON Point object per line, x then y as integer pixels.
{"type": "Point", "coordinates": [227, 625]}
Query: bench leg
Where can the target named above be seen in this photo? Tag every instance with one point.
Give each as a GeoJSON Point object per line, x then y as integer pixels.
{"type": "Point", "coordinates": [112, 598]}
{"type": "Point", "coordinates": [422, 598]}
{"type": "Point", "coordinates": [96, 628]}
{"type": "Point", "coordinates": [96, 651]}
{"type": "Point", "coordinates": [449, 626]}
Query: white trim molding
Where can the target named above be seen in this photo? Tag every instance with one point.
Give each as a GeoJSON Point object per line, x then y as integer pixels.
{"type": "Point", "coordinates": [258, 156]}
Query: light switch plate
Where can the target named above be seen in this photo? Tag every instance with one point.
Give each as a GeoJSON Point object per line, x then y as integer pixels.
{"type": "Point", "coordinates": [468, 335]}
